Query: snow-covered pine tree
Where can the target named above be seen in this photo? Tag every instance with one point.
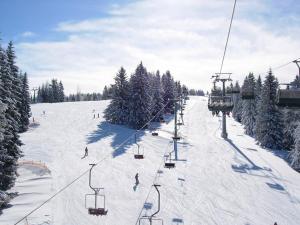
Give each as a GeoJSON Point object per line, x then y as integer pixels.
{"type": "Point", "coordinates": [25, 106]}
{"type": "Point", "coordinates": [4, 157]}
{"type": "Point", "coordinates": [290, 121]}
{"type": "Point", "coordinates": [270, 132]}
{"type": "Point", "coordinates": [16, 91]}
{"type": "Point", "coordinates": [238, 104]}
{"type": "Point", "coordinates": [139, 98]}
{"type": "Point", "coordinates": [117, 111]}
{"type": "Point", "coordinates": [178, 89]}
{"type": "Point", "coordinates": [295, 153]}
{"type": "Point", "coordinates": [55, 90]}
{"type": "Point", "coordinates": [157, 98]}
{"type": "Point", "coordinates": [185, 90]}
{"type": "Point", "coordinates": [10, 140]}
{"type": "Point", "coordinates": [169, 91]}
{"type": "Point", "coordinates": [258, 87]}
{"type": "Point", "coordinates": [61, 94]}
{"type": "Point", "coordinates": [105, 93]}
{"type": "Point", "coordinates": [249, 107]}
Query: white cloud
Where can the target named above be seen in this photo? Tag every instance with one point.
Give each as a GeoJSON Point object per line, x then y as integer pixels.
{"type": "Point", "coordinates": [186, 37]}
{"type": "Point", "coordinates": [28, 34]}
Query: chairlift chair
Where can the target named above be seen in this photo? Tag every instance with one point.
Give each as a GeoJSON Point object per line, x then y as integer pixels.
{"type": "Point", "coordinates": [154, 133]}
{"type": "Point", "coordinates": [220, 103]}
{"type": "Point", "coordinates": [95, 210]}
{"type": "Point", "coordinates": [153, 217]}
{"type": "Point", "coordinates": [168, 162]}
{"type": "Point", "coordinates": [289, 97]}
{"type": "Point", "coordinates": [139, 154]}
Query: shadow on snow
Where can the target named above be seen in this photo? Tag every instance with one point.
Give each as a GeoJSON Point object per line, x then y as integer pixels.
{"type": "Point", "coordinates": [121, 141]}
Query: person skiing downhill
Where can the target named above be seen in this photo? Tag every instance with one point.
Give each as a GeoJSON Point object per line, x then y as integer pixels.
{"type": "Point", "coordinates": [137, 179]}
{"type": "Point", "coordinates": [86, 152]}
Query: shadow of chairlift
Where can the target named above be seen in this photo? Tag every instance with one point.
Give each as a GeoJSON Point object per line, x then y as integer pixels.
{"type": "Point", "coordinates": [95, 210]}
{"type": "Point", "coordinates": [151, 219]}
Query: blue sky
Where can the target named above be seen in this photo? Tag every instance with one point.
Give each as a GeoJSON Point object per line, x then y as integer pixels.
{"type": "Point", "coordinates": [42, 16]}
{"type": "Point", "coordinates": [84, 42]}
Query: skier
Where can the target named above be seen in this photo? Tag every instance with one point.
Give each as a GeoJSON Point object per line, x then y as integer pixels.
{"type": "Point", "coordinates": [137, 179]}
{"type": "Point", "coordinates": [86, 152]}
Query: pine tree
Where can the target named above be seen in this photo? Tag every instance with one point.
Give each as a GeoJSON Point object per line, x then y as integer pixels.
{"type": "Point", "coordinates": [10, 138]}
{"type": "Point", "coordinates": [25, 106]}
{"type": "Point", "coordinates": [117, 110]}
{"type": "Point", "coordinates": [295, 153]}
{"type": "Point", "coordinates": [139, 100]}
{"type": "Point", "coordinates": [169, 92]}
{"type": "Point", "coordinates": [16, 91]}
{"type": "Point", "coordinates": [105, 93]}
{"type": "Point", "coordinates": [61, 94]}
{"type": "Point", "coordinates": [157, 98]}
{"type": "Point", "coordinates": [249, 107]}
{"type": "Point", "coordinates": [238, 104]}
{"type": "Point", "coordinates": [270, 133]}
{"type": "Point", "coordinates": [290, 121]}
{"type": "Point", "coordinates": [185, 91]}
{"type": "Point", "coordinates": [6, 176]}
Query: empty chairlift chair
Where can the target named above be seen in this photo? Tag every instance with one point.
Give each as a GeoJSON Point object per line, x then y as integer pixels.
{"type": "Point", "coordinates": [289, 97]}
{"type": "Point", "coordinates": [168, 162]}
{"type": "Point", "coordinates": [152, 220]}
{"type": "Point", "coordinates": [95, 209]}
{"type": "Point", "coordinates": [139, 152]}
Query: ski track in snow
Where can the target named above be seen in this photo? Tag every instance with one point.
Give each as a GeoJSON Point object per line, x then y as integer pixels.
{"type": "Point", "coordinates": [215, 182]}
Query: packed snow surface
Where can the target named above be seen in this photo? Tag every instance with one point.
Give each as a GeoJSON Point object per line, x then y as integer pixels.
{"type": "Point", "coordinates": [215, 181]}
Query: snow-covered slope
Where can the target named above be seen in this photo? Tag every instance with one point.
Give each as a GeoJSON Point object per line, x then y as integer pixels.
{"type": "Point", "coordinates": [214, 182]}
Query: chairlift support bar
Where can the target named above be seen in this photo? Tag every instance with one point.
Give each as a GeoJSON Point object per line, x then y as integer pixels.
{"type": "Point", "coordinates": [158, 207]}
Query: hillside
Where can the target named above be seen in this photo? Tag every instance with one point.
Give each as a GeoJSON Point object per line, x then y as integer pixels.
{"type": "Point", "coordinates": [214, 182]}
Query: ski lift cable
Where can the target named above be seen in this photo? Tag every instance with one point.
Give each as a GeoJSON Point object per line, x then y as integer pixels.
{"type": "Point", "coordinates": [86, 171]}
{"type": "Point", "coordinates": [285, 64]}
{"type": "Point", "coordinates": [228, 35]}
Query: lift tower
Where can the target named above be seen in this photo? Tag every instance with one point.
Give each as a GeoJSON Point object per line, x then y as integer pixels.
{"type": "Point", "coordinates": [223, 80]}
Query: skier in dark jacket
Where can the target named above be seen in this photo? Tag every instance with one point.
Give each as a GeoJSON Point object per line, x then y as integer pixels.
{"type": "Point", "coordinates": [137, 179]}
{"type": "Point", "coordinates": [86, 152]}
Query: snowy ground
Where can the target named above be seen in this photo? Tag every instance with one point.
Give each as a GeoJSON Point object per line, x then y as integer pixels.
{"type": "Point", "coordinates": [214, 182]}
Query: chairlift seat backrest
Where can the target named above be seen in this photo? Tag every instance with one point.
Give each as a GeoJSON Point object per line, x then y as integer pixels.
{"type": "Point", "coordinates": [288, 97]}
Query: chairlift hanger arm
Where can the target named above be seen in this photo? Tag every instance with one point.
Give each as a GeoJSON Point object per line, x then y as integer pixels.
{"type": "Point", "coordinates": [158, 209]}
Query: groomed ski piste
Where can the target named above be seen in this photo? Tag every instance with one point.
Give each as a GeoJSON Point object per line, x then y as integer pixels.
{"type": "Point", "coordinates": [215, 181]}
